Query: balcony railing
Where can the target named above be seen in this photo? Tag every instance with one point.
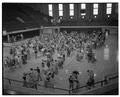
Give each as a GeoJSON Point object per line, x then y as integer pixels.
{"type": "Point", "coordinates": [54, 90]}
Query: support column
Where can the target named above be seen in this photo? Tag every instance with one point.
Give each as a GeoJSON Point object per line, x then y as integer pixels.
{"type": "Point", "coordinates": [8, 38]}
{"type": "Point", "coordinates": [41, 30]}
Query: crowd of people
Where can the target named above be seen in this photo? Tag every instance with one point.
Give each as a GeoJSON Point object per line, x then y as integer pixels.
{"type": "Point", "coordinates": [74, 82]}
{"type": "Point", "coordinates": [32, 78]}
{"type": "Point", "coordinates": [14, 38]}
{"type": "Point", "coordinates": [65, 44]}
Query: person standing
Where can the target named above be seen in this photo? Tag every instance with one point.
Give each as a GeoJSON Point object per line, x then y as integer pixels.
{"type": "Point", "coordinates": [24, 80]}
{"type": "Point", "coordinates": [23, 59]}
{"type": "Point", "coordinates": [39, 75]}
{"type": "Point", "coordinates": [71, 85]}
{"type": "Point", "coordinates": [6, 62]}
{"type": "Point", "coordinates": [35, 51]}
{"type": "Point", "coordinates": [91, 80]}
{"type": "Point", "coordinates": [56, 67]}
{"type": "Point", "coordinates": [19, 61]}
{"type": "Point", "coordinates": [25, 56]}
{"type": "Point", "coordinates": [21, 35]}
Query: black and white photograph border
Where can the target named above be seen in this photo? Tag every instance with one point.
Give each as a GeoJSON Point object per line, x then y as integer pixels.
{"type": "Point", "coordinates": [59, 47]}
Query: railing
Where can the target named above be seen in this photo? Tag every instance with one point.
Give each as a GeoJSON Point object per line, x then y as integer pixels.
{"type": "Point", "coordinates": [12, 82]}
{"type": "Point", "coordinates": [54, 90]}
{"type": "Point", "coordinates": [17, 43]}
{"type": "Point", "coordinates": [97, 84]}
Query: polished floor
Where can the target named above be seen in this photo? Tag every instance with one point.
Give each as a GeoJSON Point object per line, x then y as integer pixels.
{"type": "Point", "coordinates": [106, 64]}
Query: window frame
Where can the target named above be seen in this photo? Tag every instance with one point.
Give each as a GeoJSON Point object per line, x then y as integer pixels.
{"type": "Point", "coordinates": [60, 10]}
{"type": "Point", "coordinates": [83, 7]}
{"type": "Point", "coordinates": [50, 10]}
{"type": "Point", "coordinates": [95, 9]}
{"type": "Point", "coordinates": [108, 9]}
{"type": "Point", "coordinates": [71, 10]}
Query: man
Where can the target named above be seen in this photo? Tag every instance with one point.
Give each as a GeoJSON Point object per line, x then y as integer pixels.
{"type": "Point", "coordinates": [13, 62]}
{"type": "Point", "coordinates": [25, 55]}
{"type": "Point", "coordinates": [24, 80]}
{"type": "Point", "coordinates": [35, 51]}
{"type": "Point", "coordinates": [21, 35]}
{"type": "Point", "coordinates": [6, 62]}
{"type": "Point", "coordinates": [71, 85]}
{"type": "Point", "coordinates": [19, 60]}
{"type": "Point", "coordinates": [91, 80]}
{"type": "Point", "coordinates": [75, 78]}
{"type": "Point", "coordinates": [68, 52]}
{"type": "Point", "coordinates": [11, 51]}
{"type": "Point", "coordinates": [39, 75]}
{"type": "Point", "coordinates": [23, 59]}
{"type": "Point", "coordinates": [56, 67]}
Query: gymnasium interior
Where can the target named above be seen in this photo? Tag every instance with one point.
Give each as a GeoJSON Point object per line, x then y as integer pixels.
{"type": "Point", "coordinates": [60, 48]}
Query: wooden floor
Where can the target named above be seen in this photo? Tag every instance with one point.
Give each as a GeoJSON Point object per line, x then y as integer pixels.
{"type": "Point", "coordinates": [101, 68]}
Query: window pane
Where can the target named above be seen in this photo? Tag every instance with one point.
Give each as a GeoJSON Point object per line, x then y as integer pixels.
{"type": "Point", "coordinates": [95, 5]}
{"type": "Point", "coordinates": [108, 10]}
{"type": "Point", "coordinates": [109, 5]}
{"type": "Point", "coordinates": [50, 13]}
{"type": "Point", "coordinates": [60, 6]}
{"type": "Point", "coordinates": [71, 9]}
{"type": "Point", "coordinates": [50, 6]}
{"type": "Point", "coordinates": [71, 12]}
{"type": "Point", "coordinates": [71, 6]}
{"type": "Point", "coordinates": [83, 13]}
{"type": "Point", "coordinates": [60, 13]}
{"type": "Point", "coordinates": [95, 11]}
{"type": "Point", "coordinates": [83, 6]}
